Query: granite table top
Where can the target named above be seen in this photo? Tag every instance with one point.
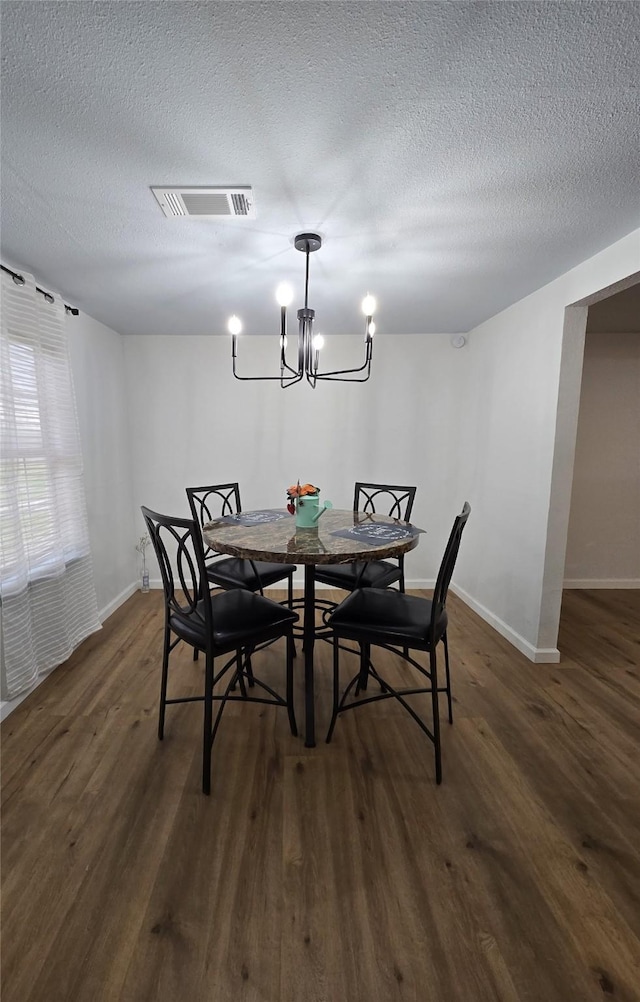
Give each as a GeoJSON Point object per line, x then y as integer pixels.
{"type": "Point", "coordinates": [282, 541]}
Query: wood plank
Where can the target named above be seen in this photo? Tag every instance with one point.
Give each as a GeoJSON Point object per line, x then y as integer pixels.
{"type": "Point", "coordinates": [338, 872]}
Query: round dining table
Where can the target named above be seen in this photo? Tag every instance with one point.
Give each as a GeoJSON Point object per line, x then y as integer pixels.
{"type": "Point", "coordinates": [340, 537]}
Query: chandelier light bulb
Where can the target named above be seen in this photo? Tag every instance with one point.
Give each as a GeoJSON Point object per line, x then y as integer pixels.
{"type": "Point", "coordinates": [235, 325]}
{"type": "Point", "coordinates": [318, 342]}
{"type": "Point", "coordinates": [284, 294]}
{"type": "Point", "coordinates": [368, 305]}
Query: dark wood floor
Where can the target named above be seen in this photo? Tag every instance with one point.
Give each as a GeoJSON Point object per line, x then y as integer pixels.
{"type": "Point", "coordinates": [335, 873]}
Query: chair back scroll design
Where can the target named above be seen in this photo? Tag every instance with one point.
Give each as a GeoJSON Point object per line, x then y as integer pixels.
{"type": "Point", "coordinates": [188, 553]}
{"type": "Point", "coordinates": [207, 503]}
{"type": "Point", "coordinates": [397, 501]}
{"type": "Point", "coordinates": [393, 500]}
{"type": "Point", "coordinates": [215, 501]}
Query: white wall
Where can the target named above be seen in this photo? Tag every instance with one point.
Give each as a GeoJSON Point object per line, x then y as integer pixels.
{"type": "Point", "coordinates": [603, 545]}
{"type": "Point", "coordinates": [487, 423]}
{"type": "Point", "coordinates": [520, 398]}
{"type": "Point", "coordinates": [97, 361]}
{"type": "Point", "coordinates": [194, 424]}
{"type": "Point", "coordinates": [493, 423]}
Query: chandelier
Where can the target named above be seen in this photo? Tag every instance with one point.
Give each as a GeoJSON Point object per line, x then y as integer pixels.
{"type": "Point", "coordinates": [309, 344]}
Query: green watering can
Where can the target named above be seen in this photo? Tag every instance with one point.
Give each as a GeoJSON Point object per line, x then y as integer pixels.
{"type": "Point", "coordinates": [309, 510]}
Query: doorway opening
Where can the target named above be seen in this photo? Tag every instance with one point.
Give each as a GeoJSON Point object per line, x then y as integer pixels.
{"type": "Point", "coordinates": [596, 470]}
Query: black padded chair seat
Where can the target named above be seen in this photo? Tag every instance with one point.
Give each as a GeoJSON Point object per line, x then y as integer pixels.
{"type": "Point", "coordinates": [380, 616]}
{"type": "Point", "coordinates": [241, 619]}
{"type": "Point", "coordinates": [375, 574]}
{"type": "Point", "coordinates": [235, 572]}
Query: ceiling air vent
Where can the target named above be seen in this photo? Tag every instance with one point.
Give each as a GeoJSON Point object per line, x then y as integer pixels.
{"type": "Point", "coordinates": [206, 203]}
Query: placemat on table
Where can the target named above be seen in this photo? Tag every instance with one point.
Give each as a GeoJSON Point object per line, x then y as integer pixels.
{"type": "Point", "coordinates": [254, 517]}
{"type": "Point", "coordinates": [378, 533]}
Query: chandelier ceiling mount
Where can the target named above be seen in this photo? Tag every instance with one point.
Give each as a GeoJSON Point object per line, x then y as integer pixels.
{"type": "Point", "coordinates": [307, 242]}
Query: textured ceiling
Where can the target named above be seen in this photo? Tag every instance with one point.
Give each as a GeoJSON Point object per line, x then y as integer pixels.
{"type": "Point", "coordinates": [453, 156]}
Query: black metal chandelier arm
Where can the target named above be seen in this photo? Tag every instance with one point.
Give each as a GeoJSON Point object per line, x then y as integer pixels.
{"type": "Point", "coordinates": [294, 372]}
{"type": "Point", "coordinates": [344, 375]}
{"type": "Point", "coordinates": [255, 379]}
{"type": "Point", "coordinates": [365, 367]}
{"type": "Point", "coordinates": [285, 365]}
{"type": "Point", "coordinates": [286, 381]}
{"type": "Point", "coordinates": [340, 375]}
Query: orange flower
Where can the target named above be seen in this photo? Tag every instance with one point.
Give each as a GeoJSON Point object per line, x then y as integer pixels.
{"type": "Point", "coordinates": [299, 491]}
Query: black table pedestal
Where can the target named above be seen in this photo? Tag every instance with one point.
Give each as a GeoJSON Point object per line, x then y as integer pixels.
{"type": "Point", "coordinates": [309, 636]}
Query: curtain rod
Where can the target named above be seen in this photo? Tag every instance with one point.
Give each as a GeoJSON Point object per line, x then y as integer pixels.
{"type": "Point", "coordinates": [19, 280]}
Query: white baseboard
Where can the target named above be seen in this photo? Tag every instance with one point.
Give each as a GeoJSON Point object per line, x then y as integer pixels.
{"type": "Point", "coordinates": [119, 600]}
{"type": "Point", "coordinates": [596, 583]}
{"type": "Point", "coordinates": [539, 655]}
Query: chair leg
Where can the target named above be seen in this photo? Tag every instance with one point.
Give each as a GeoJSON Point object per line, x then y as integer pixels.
{"type": "Point", "coordinates": [163, 683]}
{"type": "Point", "coordinates": [208, 716]}
{"type": "Point", "coordinates": [290, 709]}
{"type": "Point", "coordinates": [249, 673]}
{"type": "Point", "coordinates": [196, 652]}
{"type": "Point", "coordinates": [290, 604]}
{"type": "Point", "coordinates": [365, 654]}
{"type": "Point", "coordinates": [240, 675]}
{"type": "Point", "coordinates": [336, 685]}
{"type": "Point", "coordinates": [405, 650]}
{"type": "Point", "coordinates": [436, 713]}
{"type": "Point", "coordinates": [448, 676]}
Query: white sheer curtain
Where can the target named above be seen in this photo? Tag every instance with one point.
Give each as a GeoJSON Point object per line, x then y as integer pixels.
{"type": "Point", "coordinates": [47, 595]}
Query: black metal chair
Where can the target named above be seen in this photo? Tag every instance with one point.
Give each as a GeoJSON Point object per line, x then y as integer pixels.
{"type": "Point", "coordinates": [207, 503]}
{"type": "Point", "coordinates": [230, 622]}
{"type": "Point", "coordinates": [388, 619]}
{"type": "Point", "coordinates": [395, 501]}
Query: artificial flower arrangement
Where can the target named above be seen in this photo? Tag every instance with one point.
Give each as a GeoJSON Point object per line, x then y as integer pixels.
{"type": "Point", "coordinates": [299, 491]}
